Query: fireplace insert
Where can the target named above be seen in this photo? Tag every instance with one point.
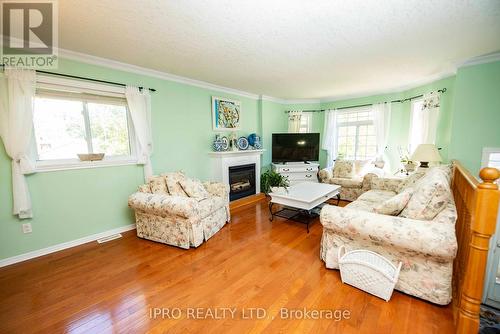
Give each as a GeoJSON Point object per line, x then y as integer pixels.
{"type": "Point", "coordinates": [241, 181]}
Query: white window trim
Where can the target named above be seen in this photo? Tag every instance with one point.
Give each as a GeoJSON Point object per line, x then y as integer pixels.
{"type": "Point", "coordinates": [308, 117]}
{"type": "Point", "coordinates": [357, 124]}
{"type": "Point", "coordinates": [62, 84]}
{"type": "Point", "coordinates": [487, 151]}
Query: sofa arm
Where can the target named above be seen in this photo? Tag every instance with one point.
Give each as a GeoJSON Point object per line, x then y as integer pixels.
{"type": "Point", "coordinates": [325, 174]}
{"type": "Point", "coordinates": [217, 189]}
{"type": "Point", "coordinates": [163, 205]}
{"type": "Point", "coordinates": [386, 183]}
{"type": "Point", "coordinates": [367, 181]}
{"type": "Point", "coordinates": [425, 237]}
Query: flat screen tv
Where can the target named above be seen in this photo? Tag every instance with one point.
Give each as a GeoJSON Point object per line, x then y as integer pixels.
{"type": "Point", "coordinates": [291, 147]}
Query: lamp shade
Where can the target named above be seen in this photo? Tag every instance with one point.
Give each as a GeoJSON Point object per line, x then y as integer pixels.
{"type": "Point", "coordinates": [426, 152]}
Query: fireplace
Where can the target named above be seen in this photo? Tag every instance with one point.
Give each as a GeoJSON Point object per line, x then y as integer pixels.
{"type": "Point", "coordinates": [241, 181]}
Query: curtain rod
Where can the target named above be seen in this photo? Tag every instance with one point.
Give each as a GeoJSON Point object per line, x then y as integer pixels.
{"type": "Point", "coordinates": [84, 78]}
{"type": "Point", "coordinates": [370, 104]}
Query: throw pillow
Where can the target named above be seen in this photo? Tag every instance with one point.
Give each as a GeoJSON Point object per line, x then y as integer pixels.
{"type": "Point", "coordinates": [172, 180]}
{"type": "Point", "coordinates": [409, 181]}
{"type": "Point", "coordinates": [145, 188]}
{"type": "Point", "coordinates": [343, 168]}
{"type": "Point", "coordinates": [193, 188]}
{"type": "Point", "coordinates": [394, 205]}
{"type": "Point", "coordinates": [157, 185]}
{"type": "Point", "coordinates": [431, 195]}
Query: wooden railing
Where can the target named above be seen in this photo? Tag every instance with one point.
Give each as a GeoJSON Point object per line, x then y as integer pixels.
{"type": "Point", "coordinates": [477, 206]}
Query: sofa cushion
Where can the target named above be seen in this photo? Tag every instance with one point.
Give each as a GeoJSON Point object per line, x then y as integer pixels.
{"type": "Point", "coordinates": [343, 168]}
{"type": "Point", "coordinates": [376, 196]}
{"type": "Point", "coordinates": [348, 183]}
{"type": "Point", "coordinates": [409, 181]}
{"type": "Point", "coordinates": [158, 185]}
{"type": "Point", "coordinates": [193, 188]}
{"type": "Point", "coordinates": [172, 180]}
{"type": "Point", "coordinates": [394, 205]}
{"type": "Point", "coordinates": [361, 167]}
{"type": "Point", "coordinates": [209, 205]}
{"type": "Point", "coordinates": [432, 194]}
{"type": "Point", "coordinates": [362, 205]}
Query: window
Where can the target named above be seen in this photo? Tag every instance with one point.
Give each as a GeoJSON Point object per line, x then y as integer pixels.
{"type": "Point", "coordinates": [67, 124]}
{"type": "Point", "coordinates": [305, 123]}
{"type": "Point", "coordinates": [491, 158]}
{"type": "Point", "coordinates": [356, 138]}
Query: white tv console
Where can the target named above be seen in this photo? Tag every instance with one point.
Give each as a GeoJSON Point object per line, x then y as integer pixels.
{"type": "Point", "coordinates": [297, 172]}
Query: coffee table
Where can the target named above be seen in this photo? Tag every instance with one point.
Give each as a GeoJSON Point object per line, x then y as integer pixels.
{"type": "Point", "coordinates": [301, 199]}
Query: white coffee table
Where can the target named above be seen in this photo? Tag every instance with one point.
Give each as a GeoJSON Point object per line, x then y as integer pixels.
{"type": "Point", "coordinates": [300, 199]}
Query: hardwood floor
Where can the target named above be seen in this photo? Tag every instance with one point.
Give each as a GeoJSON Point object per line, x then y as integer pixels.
{"type": "Point", "coordinates": [250, 263]}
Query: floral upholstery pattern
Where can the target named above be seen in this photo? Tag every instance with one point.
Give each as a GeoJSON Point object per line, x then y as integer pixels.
{"type": "Point", "coordinates": [193, 188]}
{"type": "Point", "coordinates": [173, 185]}
{"type": "Point", "coordinates": [157, 185]}
{"type": "Point", "coordinates": [343, 168]}
{"type": "Point", "coordinates": [180, 220]}
{"type": "Point", "coordinates": [430, 197]}
{"type": "Point", "coordinates": [409, 181]}
{"type": "Point", "coordinates": [354, 185]}
{"type": "Point", "coordinates": [144, 188]}
{"type": "Point", "coordinates": [426, 247]}
{"type": "Point", "coordinates": [394, 205]}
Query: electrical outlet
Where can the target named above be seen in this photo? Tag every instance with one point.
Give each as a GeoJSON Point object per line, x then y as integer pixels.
{"type": "Point", "coordinates": [27, 228]}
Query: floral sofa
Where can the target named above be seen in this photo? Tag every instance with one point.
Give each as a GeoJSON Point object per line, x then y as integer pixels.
{"type": "Point", "coordinates": [354, 177]}
{"type": "Point", "coordinates": [179, 211]}
{"type": "Point", "coordinates": [410, 220]}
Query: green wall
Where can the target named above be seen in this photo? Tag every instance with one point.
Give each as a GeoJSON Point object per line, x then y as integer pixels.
{"type": "Point", "coordinates": [76, 203]}
{"type": "Point", "coordinates": [72, 204]}
{"type": "Point", "coordinates": [400, 117]}
{"type": "Point", "coordinates": [476, 114]}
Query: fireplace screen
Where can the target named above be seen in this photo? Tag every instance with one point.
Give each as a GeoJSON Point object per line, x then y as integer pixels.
{"type": "Point", "coordinates": [241, 181]}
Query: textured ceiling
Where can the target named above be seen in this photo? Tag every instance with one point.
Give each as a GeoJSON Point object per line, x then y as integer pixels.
{"type": "Point", "coordinates": [286, 48]}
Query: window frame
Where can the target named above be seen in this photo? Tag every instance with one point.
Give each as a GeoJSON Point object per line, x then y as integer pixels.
{"type": "Point", "coordinates": [356, 124]}
{"type": "Point", "coordinates": [62, 87]}
{"type": "Point", "coordinates": [308, 117]}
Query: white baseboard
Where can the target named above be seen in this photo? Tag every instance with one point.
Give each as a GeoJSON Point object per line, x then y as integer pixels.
{"type": "Point", "coordinates": [64, 245]}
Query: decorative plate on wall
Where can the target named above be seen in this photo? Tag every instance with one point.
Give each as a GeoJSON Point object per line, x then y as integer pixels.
{"type": "Point", "coordinates": [225, 143]}
{"type": "Point", "coordinates": [242, 143]}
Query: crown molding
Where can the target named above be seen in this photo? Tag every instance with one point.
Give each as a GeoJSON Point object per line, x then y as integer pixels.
{"type": "Point", "coordinates": [117, 65]}
{"type": "Point", "coordinates": [488, 58]}
{"type": "Point", "coordinates": [393, 90]}
{"type": "Point", "coordinates": [289, 101]}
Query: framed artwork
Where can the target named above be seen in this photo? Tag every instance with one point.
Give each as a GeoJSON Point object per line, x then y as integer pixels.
{"type": "Point", "coordinates": [225, 114]}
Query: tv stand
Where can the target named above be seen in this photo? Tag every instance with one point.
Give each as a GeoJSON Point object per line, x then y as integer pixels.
{"type": "Point", "coordinates": [297, 172]}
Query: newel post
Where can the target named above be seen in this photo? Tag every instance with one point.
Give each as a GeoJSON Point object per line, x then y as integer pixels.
{"type": "Point", "coordinates": [483, 224]}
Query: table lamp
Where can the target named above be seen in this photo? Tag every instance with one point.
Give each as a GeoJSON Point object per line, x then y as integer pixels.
{"type": "Point", "coordinates": [426, 153]}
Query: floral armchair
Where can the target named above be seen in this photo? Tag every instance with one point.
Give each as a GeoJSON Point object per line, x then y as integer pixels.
{"type": "Point", "coordinates": [179, 211]}
{"type": "Point", "coordinates": [352, 176]}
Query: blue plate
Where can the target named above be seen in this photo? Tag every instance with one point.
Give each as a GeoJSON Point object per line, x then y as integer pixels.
{"type": "Point", "coordinates": [242, 143]}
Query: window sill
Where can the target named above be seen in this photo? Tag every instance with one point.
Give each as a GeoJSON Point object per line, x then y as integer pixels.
{"type": "Point", "coordinates": [60, 165]}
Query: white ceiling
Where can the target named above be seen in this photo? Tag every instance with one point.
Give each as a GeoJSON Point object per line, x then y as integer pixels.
{"type": "Point", "coordinates": [286, 48]}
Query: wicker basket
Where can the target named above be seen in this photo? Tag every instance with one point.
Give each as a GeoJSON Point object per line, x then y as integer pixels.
{"type": "Point", "coordinates": [369, 272]}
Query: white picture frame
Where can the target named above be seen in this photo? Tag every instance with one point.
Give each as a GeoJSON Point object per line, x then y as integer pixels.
{"type": "Point", "coordinates": [226, 114]}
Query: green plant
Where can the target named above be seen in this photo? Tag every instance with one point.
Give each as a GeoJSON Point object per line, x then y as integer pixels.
{"type": "Point", "coordinates": [272, 179]}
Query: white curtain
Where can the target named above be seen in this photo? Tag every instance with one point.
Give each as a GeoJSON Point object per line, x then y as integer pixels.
{"type": "Point", "coordinates": [139, 104]}
{"type": "Point", "coordinates": [294, 118]}
{"type": "Point", "coordinates": [424, 120]}
{"type": "Point", "coordinates": [16, 118]}
{"type": "Point", "coordinates": [329, 143]}
{"type": "Point", "coordinates": [382, 119]}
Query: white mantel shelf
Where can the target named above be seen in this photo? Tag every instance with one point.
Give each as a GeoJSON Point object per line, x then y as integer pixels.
{"type": "Point", "coordinates": [239, 152]}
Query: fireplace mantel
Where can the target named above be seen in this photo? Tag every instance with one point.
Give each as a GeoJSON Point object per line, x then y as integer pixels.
{"type": "Point", "coordinates": [239, 152]}
{"type": "Point", "coordinates": [221, 161]}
